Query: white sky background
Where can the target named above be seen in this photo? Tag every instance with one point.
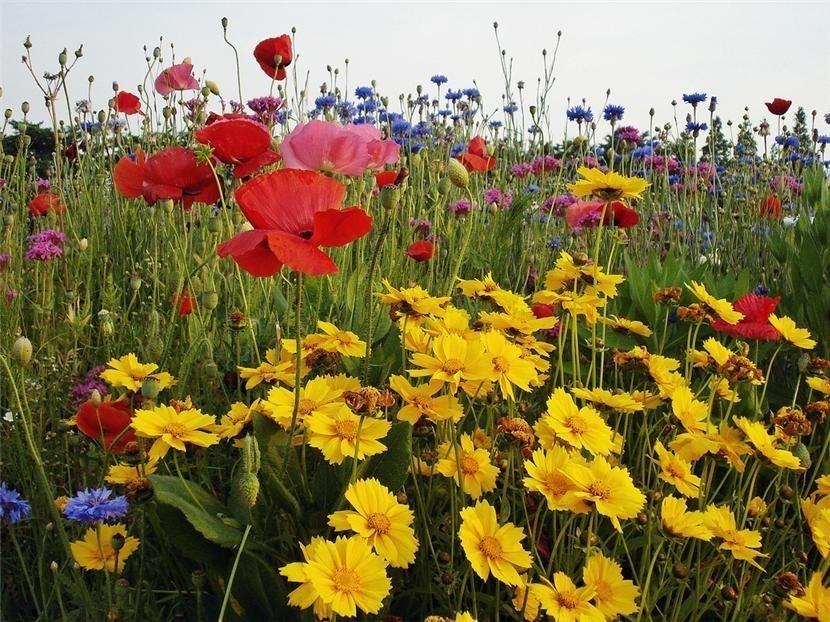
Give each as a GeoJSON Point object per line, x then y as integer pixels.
{"type": "Point", "coordinates": [646, 53]}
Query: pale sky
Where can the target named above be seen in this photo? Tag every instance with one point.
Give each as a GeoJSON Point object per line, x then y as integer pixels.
{"type": "Point", "coordinates": [646, 53]}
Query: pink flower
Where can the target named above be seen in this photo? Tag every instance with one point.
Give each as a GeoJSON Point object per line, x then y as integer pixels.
{"type": "Point", "coordinates": [176, 78]}
{"type": "Point", "coordinates": [332, 148]}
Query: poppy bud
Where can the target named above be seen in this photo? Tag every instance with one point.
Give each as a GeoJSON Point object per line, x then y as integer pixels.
{"type": "Point", "coordinates": [214, 88]}
{"type": "Point", "coordinates": [209, 300]}
{"type": "Point", "coordinates": [83, 244]}
{"type": "Point", "coordinates": [390, 197]}
{"type": "Point", "coordinates": [25, 107]}
{"type": "Point", "coordinates": [62, 58]}
{"type": "Point", "coordinates": [8, 113]}
{"type": "Point", "coordinates": [150, 388]}
{"type": "Point", "coordinates": [205, 91]}
{"type": "Point", "coordinates": [135, 282]}
{"type": "Point", "coordinates": [444, 186]}
{"type": "Point", "coordinates": [458, 174]}
{"type": "Point", "coordinates": [250, 455]}
{"type": "Point", "coordinates": [22, 351]}
{"type": "Point", "coordinates": [224, 22]}
{"type": "Point", "coordinates": [95, 398]}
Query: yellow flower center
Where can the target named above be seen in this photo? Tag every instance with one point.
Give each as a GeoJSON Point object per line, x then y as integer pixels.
{"type": "Point", "coordinates": [490, 547]}
{"type": "Point", "coordinates": [568, 600]}
{"type": "Point", "coordinates": [604, 591]}
{"type": "Point", "coordinates": [452, 366]}
{"type": "Point", "coordinates": [576, 425]}
{"type": "Point", "coordinates": [501, 364]}
{"type": "Point", "coordinates": [600, 490]}
{"type": "Point", "coordinates": [346, 429]}
{"type": "Point", "coordinates": [379, 523]}
{"type": "Point", "coordinates": [306, 406]}
{"type": "Point", "coordinates": [422, 403]}
{"type": "Point", "coordinates": [556, 485]}
{"type": "Point", "coordinates": [346, 580]}
{"type": "Point", "coordinates": [608, 194]}
{"type": "Point", "coordinates": [174, 429]}
{"type": "Point", "coordinates": [469, 465]}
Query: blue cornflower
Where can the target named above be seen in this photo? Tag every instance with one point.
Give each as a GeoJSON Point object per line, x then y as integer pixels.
{"type": "Point", "coordinates": [400, 126]}
{"type": "Point", "coordinates": [532, 188]}
{"type": "Point", "coordinates": [555, 244]}
{"type": "Point", "coordinates": [12, 506]}
{"type": "Point", "coordinates": [95, 506]}
{"type": "Point", "coordinates": [364, 92]}
{"type": "Point", "coordinates": [458, 149]}
{"type": "Point", "coordinates": [444, 112]}
{"type": "Point", "coordinates": [694, 126]}
{"type": "Point", "coordinates": [612, 111]}
{"type": "Point", "coordinates": [438, 79]}
{"type": "Point", "coordinates": [471, 92]}
{"type": "Point", "coordinates": [694, 98]}
{"type": "Point", "coordinates": [760, 290]}
{"type": "Point", "coordinates": [453, 96]}
{"type": "Point", "coordinates": [495, 123]}
{"type": "Point", "coordinates": [580, 114]}
{"type": "Point", "coordinates": [325, 101]}
{"type": "Point", "coordinates": [510, 108]}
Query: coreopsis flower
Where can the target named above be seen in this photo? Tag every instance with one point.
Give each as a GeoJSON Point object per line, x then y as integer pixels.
{"type": "Point", "coordinates": [492, 548]}
{"type": "Point", "coordinates": [606, 400]}
{"type": "Point", "coordinates": [488, 289]}
{"type": "Point", "coordinates": [127, 475]}
{"type": "Point", "coordinates": [348, 576]}
{"type": "Point", "coordinates": [765, 444]}
{"type": "Point", "coordinates": [237, 419]}
{"type": "Point", "coordinates": [817, 383]}
{"type": "Point", "coordinates": [526, 598]}
{"type": "Point", "coordinates": [127, 103]}
{"type": "Point", "coordinates": [564, 601]}
{"type": "Point", "coordinates": [544, 475]}
{"type": "Point", "coordinates": [306, 595]}
{"type": "Point", "coordinates": [507, 364]}
{"type": "Point", "coordinates": [412, 302]}
{"type": "Point", "coordinates": [385, 524]}
{"type": "Point", "coordinates": [343, 342]}
{"type": "Point", "coordinates": [107, 422]}
{"type": "Point", "coordinates": [663, 371]}
{"type": "Point", "coordinates": [678, 522]}
{"type": "Point", "coordinates": [274, 55]}
{"type": "Point", "coordinates": [579, 428]}
{"type": "Point", "coordinates": [609, 186]}
{"type": "Point", "coordinates": [609, 488]}
{"type": "Point", "coordinates": [692, 413]}
{"type": "Point", "coordinates": [756, 507]}
{"type": "Point", "coordinates": [677, 472]}
{"type": "Point", "coordinates": [242, 142]}
{"type": "Point", "coordinates": [422, 401]}
{"type": "Point", "coordinates": [453, 360]}
{"type": "Point", "coordinates": [814, 602]}
{"type": "Point", "coordinates": [718, 308]}
{"type": "Point", "coordinates": [469, 466]}
{"type": "Point", "coordinates": [742, 543]}
{"type": "Point", "coordinates": [174, 429]}
{"type": "Point", "coordinates": [786, 327]}
{"type": "Point", "coordinates": [622, 325]}
{"type": "Point", "coordinates": [340, 433]}
{"type": "Point", "coordinates": [317, 396]}
{"type": "Point", "coordinates": [817, 514]}
{"type": "Point", "coordinates": [273, 370]}
{"type": "Point", "coordinates": [128, 373]}
{"type": "Point", "coordinates": [95, 550]}
{"type": "Point", "coordinates": [517, 320]}
{"type": "Point", "coordinates": [613, 595]}
{"type": "Point", "coordinates": [176, 78]}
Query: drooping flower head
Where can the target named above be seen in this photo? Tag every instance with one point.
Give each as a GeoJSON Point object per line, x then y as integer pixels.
{"type": "Point", "coordinates": [176, 78]}
{"type": "Point", "coordinates": [274, 55]}
{"type": "Point", "coordinates": [244, 143]}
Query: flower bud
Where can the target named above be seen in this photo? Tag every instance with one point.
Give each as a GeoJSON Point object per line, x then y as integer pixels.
{"type": "Point", "coordinates": [390, 197]}
{"type": "Point", "coordinates": [95, 398]}
{"type": "Point", "coordinates": [22, 351]}
{"type": "Point", "coordinates": [62, 58]}
{"type": "Point", "coordinates": [209, 300]}
{"type": "Point", "coordinates": [214, 88]}
{"type": "Point", "coordinates": [25, 107]}
{"type": "Point", "coordinates": [150, 388]}
{"type": "Point", "coordinates": [680, 570]}
{"type": "Point", "coordinates": [117, 541]}
{"type": "Point", "coordinates": [135, 282]}
{"type": "Point", "coordinates": [83, 244]}
{"type": "Point", "coordinates": [458, 175]}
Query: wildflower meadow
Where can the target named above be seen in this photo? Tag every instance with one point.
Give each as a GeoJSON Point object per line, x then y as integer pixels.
{"type": "Point", "coordinates": [333, 353]}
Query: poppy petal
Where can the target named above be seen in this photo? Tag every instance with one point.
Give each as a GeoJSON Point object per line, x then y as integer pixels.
{"type": "Point", "coordinates": [129, 175]}
{"type": "Point", "coordinates": [255, 164]}
{"type": "Point", "coordinates": [299, 254]}
{"type": "Point", "coordinates": [337, 227]}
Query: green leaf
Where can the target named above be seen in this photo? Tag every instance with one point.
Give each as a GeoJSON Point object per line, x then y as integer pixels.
{"type": "Point", "coordinates": [273, 442]}
{"type": "Point", "coordinates": [392, 466]}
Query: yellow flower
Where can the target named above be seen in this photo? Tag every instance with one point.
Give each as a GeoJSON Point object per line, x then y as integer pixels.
{"type": "Point", "coordinates": [454, 321]}
{"type": "Point", "coordinates": [763, 442]}
{"type": "Point", "coordinates": [317, 396]}
{"type": "Point", "coordinates": [477, 473]}
{"type": "Point", "coordinates": [742, 543]}
{"type": "Point", "coordinates": [490, 547]}
{"type": "Point", "coordinates": [719, 353]}
{"type": "Point", "coordinates": [488, 289]}
{"type": "Point", "coordinates": [680, 523]}
{"type": "Point", "coordinates": [623, 325]}
{"type": "Point", "coordinates": [128, 373]}
{"type": "Point", "coordinates": [95, 550]}
{"type": "Point", "coordinates": [239, 416]}
{"type": "Point", "coordinates": [173, 429]}
{"type": "Point", "coordinates": [662, 370]}
{"type": "Point", "coordinates": [823, 485]}
{"type": "Point", "coordinates": [306, 595]}
{"type": "Point", "coordinates": [757, 507]}
{"type": "Point", "coordinates": [578, 427]}
{"type": "Point", "coordinates": [453, 361]}
{"type": "Point", "coordinates": [126, 475]}
{"type": "Point", "coordinates": [378, 518]}
{"type": "Point", "coordinates": [798, 337]}
{"type": "Point", "coordinates": [613, 595]}
{"type": "Point", "coordinates": [526, 598]}
{"type": "Point", "coordinates": [677, 472]}
{"type": "Point", "coordinates": [507, 367]}
{"type": "Point", "coordinates": [608, 186]}
{"type": "Point", "coordinates": [610, 489]}
{"type": "Point", "coordinates": [517, 320]}
{"type": "Point", "coordinates": [544, 475]}
{"type": "Point", "coordinates": [717, 306]}
{"type": "Point", "coordinates": [413, 301]}
{"type": "Point", "coordinates": [340, 433]}
{"type": "Point", "coordinates": [421, 401]}
{"type": "Point", "coordinates": [348, 576]}
{"type": "Point", "coordinates": [817, 514]}
{"type": "Point", "coordinates": [622, 402]}
{"type": "Point", "coordinates": [341, 341]}
{"type": "Point", "coordinates": [564, 602]}
{"type": "Point", "coordinates": [692, 414]}
{"type": "Point", "coordinates": [272, 370]}
{"type": "Point", "coordinates": [814, 603]}
{"type": "Point", "coordinates": [817, 383]}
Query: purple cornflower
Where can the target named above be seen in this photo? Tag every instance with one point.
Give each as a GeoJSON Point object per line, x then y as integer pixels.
{"type": "Point", "coordinates": [42, 185]}
{"type": "Point", "coordinates": [265, 108]}
{"type": "Point", "coordinates": [83, 389]}
{"type": "Point", "coordinates": [459, 208]}
{"type": "Point", "coordinates": [12, 506]}
{"type": "Point", "coordinates": [629, 134]}
{"type": "Point", "coordinates": [95, 505]}
{"type": "Point", "coordinates": [521, 170]}
{"type": "Point", "coordinates": [45, 245]}
{"type": "Point", "coordinates": [421, 225]}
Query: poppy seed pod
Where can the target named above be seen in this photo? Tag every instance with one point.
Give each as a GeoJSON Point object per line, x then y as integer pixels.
{"type": "Point", "coordinates": [458, 174]}
{"type": "Point", "coordinates": [24, 107]}
{"type": "Point", "coordinates": [390, 197]}
{"type": "Point", "coordinates": [22, 351]}
{"type": "Point", "coordinates": [150, 388]}
{"type": "Point", "coordinates": [209, 300]}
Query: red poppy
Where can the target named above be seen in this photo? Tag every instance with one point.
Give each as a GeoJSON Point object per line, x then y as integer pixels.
{"type": "Point", "coordinates": [422, 250]}
{"type": "Point", "coordinates": [476, 159]}
{"type": "Point", "coordinates": [755, 323]}
{"type": "Point", "coordinates": [386, 178]}
{"type": "Point", "coordinates": [266, 52]}
{"type": "Point", "coordinates": [184, 304]}
{"type": "Point", "coordinates": [239, 141]}
{"type": "Point", "coordinates": [45, 202]}
{"type": "Point", "coordinates": [618, 214]}
{"type": "Point", "coordinates": [294, 213]}
{"type": "Point", "coordinates": [770, 207]}
{"type": "Point", "coordinates": [106, 422]}
{"type": "Point", "coordinates": [172, 173]}
{"type": "Point", "coordinates": [127, 103]}
{"type": "Point", "coordinates": [779, 106]}
{"type": "Point", "coordinates": [541, 311]}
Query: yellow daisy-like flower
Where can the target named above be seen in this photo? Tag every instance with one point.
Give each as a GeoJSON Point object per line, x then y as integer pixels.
{"type": "Point", "coordinates": [126, 475]}
{"type": "Point", "coordinates": [126, 372]}
{"type": "Point", "coordinates": [517, 320]}
{"type": "Point", "coordinates": [488, 289]}
{"type": "Point", "coordinates": [792, 334]}
{"type": "Point", "coordinates": [742, 543]}
{"type": "Point", "coordinates": [544, 475]}
{"type": "Point", "coordinates": [526, 598]}
{"type": "Point", "coordinates": [565, 602]}
{"type": "Point", "coordinates": [817, 514]}
{"type": "Point", "coordinates": [468, 465]}
{"type": "Point", "coordinates": [678, 522]}
{"type": "Point", "coordinates": [609, 488]}
{"type": "Point", "coordinates": [663, 370]}
{"type": "Point", "coordinates": [378, 518]}
{"type": "Point", "coordinates": [492, 548]}
{"type": "Point", "coordinates": [237, 418]}
{"type": "Point", "coordinates": [814, 604]}
{"type": "Point", "coordinates": [413, 301]}
{"type": "Point", "coordinates": [622, 402]}
{"type": "Point", "coordinates": [453, 360]}
{"type": "Point", "coordinates": [613, 595]}
{"type": "Point", "coordinates": [719, 352]}
{"type": "Point", "coordinates": [343, 342]}
{"type": "Point", "coordinates": [339, 434]}
{"type": "Point", "coordinates": [422, 401]}
{"type": "Point", "coordinates": [272, 370]}
{"type": "Point", "coordinates": [764, 443]}
{"type": "Point", "coordinates": [173, 429]}
{"type": "Point", "coordinates": [348, 576]}
{"type": "Point", "coordinates": [610, 186]}
{"type": "Point", "coordinates": [677, 472]}
{"type": "Point", "coordinates": [454, 321]}
{"type": "Point", "coordinates": [306, 595]}
{"type": "Point", "coordinates": [717, 306]}
{"type": "Point", "coordinates": [507, 365]}
{"type": "Point", "coordinates": [817, 383]}
{"type": "Point", "coordinates": [692, 414]}
{"type": "Point", "coordinates": [317, 396]}
{"type": "Point", "coordinates": [95, 550]}
{"type": "Point", "coordinates": [622, 325]}
{"type": "Point", "coordinates": [578, 427]}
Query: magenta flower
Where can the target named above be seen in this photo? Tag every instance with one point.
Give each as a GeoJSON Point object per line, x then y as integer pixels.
{"type": "Point", "coordinates": [176, 78]}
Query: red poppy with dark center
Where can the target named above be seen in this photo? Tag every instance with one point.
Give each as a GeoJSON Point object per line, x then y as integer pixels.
{"type": "Point", "coordinates": [44, 202]}
{"type": "Point", "coordinates": [778, 106]}
{"type": "Point", "coordinates": [267, 51]}
{"type": "Point", "coordinates": [169, 174]}
{"type": "Point", "coordinates": [755, 323]}
{"type": "Point", "coordinates": [242, 142]}
{"type": "Point", "coordinates": [293, 213]}
{"type": "Point", "coordinates": [127, 103]}
{"type": "Point", "coordinates": [770, 207]}
{"type": "Point", "coordinates": [618, 214]}
{"type": "Point", "coordinates": [476, 159]}
{"type": "Point", "coordinates": [422, 250]}
{"type": "Point", "coordinates": [108, 422]}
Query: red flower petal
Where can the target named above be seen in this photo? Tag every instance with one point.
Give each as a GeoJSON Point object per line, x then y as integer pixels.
{"type": "Point", "coordinates": [267, 50]}
{"type": "Point", "coordinates": [337, 227]}
{"type": "Point", "coordinates": [127, 103]}
{"type": "Point", "coordinates": [422, 250]}
{"type": "Point", "coordinates": [299, 254]}
{"type": "Point", "coordinates": [235, 140]}
{"type": "Point", "coordinates": [255, 164]}
{"type": "Point", "coordinates": [106, 421]}
{"type": "Point", "coordinates": [129, 175]}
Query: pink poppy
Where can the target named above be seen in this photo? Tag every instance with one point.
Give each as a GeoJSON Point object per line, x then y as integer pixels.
{"type": "Point", "coordinates": [176, 78]}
